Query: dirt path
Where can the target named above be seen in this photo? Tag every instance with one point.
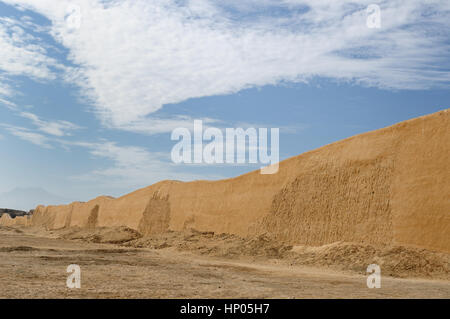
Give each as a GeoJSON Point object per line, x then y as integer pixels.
{"type": "Point", "coordinates": [35, 267]}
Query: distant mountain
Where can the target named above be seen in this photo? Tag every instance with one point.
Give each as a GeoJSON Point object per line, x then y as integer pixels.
{"type": "Point", "coordinates": [28, 198]}
{"type": "Point", "coordinates": [12, 213]}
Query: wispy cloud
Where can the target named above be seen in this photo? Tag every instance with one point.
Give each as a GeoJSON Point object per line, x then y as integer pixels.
{"type": "Point", "coordinates": [10, 105]}
{"type": "Point", "coordinates": [134, 57]}
{"type": "Point", "coordinates": [28, 135]}
{"type": "Point", "coordinates": [6, 92]}
{"type": "Point", "coordinates": [131, 166]}
{"type": "Point", "coordinates": [56, 128]}
{"type": "Point", "coordinates": [23, 53]}
{"type": "Point", "coordinates": [122, 166]}
{"type": "Point", "coordinates": [52, 129]}
{"type": "Point", "coordinates": [155, 125]}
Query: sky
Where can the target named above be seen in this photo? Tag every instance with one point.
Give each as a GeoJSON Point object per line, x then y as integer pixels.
{"type": "Point", "coordinates": [90, 91]}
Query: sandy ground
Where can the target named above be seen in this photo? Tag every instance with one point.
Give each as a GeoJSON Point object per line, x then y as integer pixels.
{"type": "Point", "coordinates": [35, 267]}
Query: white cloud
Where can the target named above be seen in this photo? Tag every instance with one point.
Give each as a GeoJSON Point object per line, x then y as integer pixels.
{"type": "Point", "coordinates": [136, 56]}
{"type": "Point", "coordinates": [56, 128]}
{"type": "Point", "coordinates": [10, 105]}
{"type": "Point", "coordinates": [5, 89]}
{"type": "Point", "coordinates": [155, 125]}
{"type": "Point", "coordinates": [23, 53]}
{"type": "Point", "coordinates": [131, 166]}
{"type": "Point", "coordinates": [123, 167]}
{"type": "Point", "coordinates": [28, 135]}
{"type": "Point", "coordinates": [6, 92]}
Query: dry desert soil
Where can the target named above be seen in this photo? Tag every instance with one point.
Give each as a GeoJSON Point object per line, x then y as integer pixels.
{"type": "Point", "coordinates": [188, 265]}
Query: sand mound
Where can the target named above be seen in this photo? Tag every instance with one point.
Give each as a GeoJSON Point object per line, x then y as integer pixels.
{"type": "Point", "coordinates": [388, 187]}
{"type": "Point", "coordinates": [208, 243]}
{"type": "Point", "coordinates": [394, 261]}
{"type": "Point", "coordinates": [114, 235]}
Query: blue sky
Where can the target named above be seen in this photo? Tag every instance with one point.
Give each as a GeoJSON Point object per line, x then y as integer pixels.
{"type": "Point", "coordinates": [91, 90]}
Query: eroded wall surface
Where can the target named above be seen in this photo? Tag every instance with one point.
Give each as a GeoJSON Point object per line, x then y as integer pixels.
{"type": "Point", "coordinates": [389, 186]}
